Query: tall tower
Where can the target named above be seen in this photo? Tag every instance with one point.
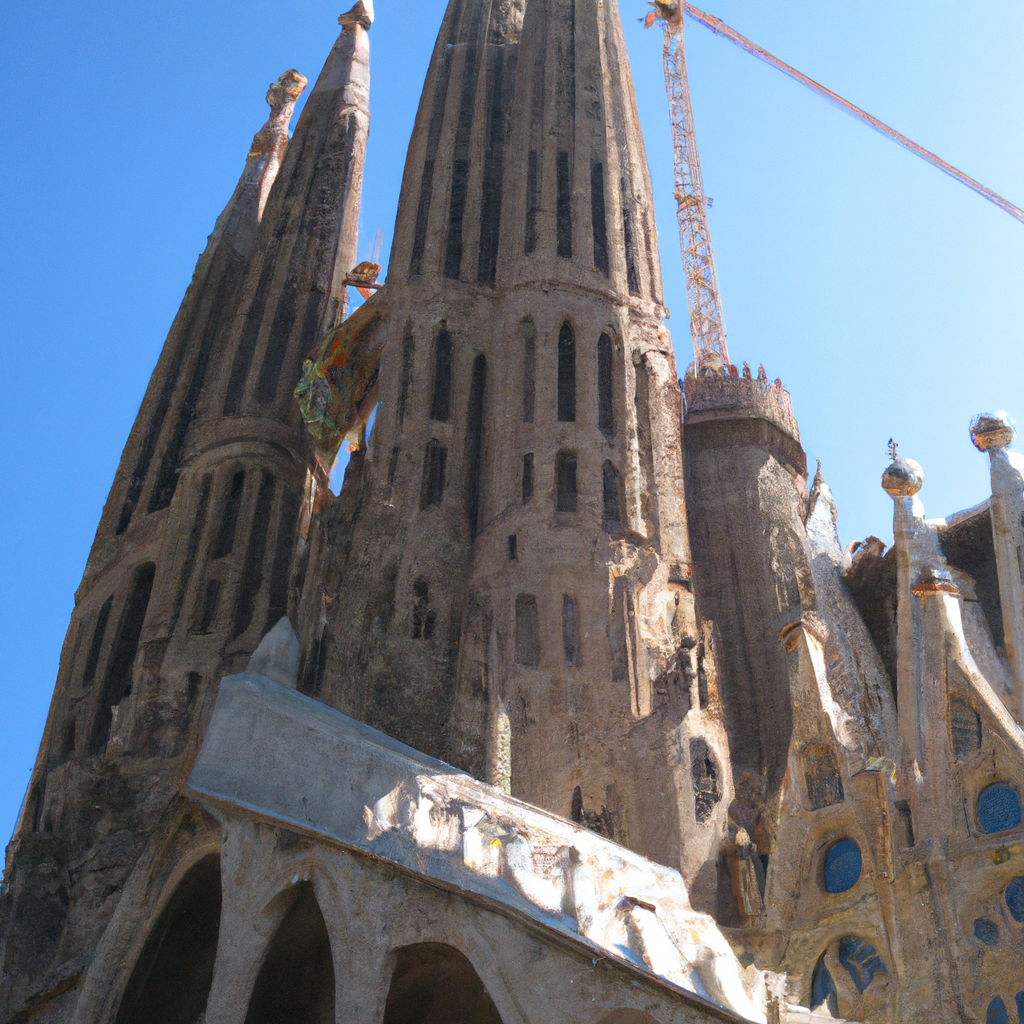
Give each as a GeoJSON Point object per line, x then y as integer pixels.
{"type": "Point", "coordinates": [193, 555]}
{"type": "Point", "coordinates": [504, 580]}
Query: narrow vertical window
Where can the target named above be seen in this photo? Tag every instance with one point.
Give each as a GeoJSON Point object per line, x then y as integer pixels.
{"type": "Point", "coordinates": [597, 216]}
{"type": "Point", "coordinates": [605, 410]}
{"type": "Point", "coordinates": [456, 212]}
{"type": "Point", "coordinates": [277, 605]}
{"type": "Point", "coordinates": [563, 212]}
{"type": "Point", "coordinates": [565, 482]}
{"type": "Point", "coordinates": [570, 631]}
{"type": "Point", "coordinates": [96, 648]}
{"type": "Point", "coordinates": [192, 548]}
{"type": "Point", "coordinates": [629, 239]}
{"type": "Point", "coordinates": [566, 375]}
{"type": "Point", "coordinates": [225, 539]}
{"type": "Point", "coordinates": [529, 333]}
{"type": "Point", "coordinates": [527, 631]}
{"type": "Point", "coordinates": [611, 517]}
{"type": "Point", "coordinates": [474, 441]}
{"type": "Point", "coordinates": [251, 583]}
{"type": "Point", "coordinates": [405, 382]}
{"type": "Point", "coordinates": [494, 166]}
{"type": "Point", "coordinates": [440, 405]}
{"type": "Point", "coordinates": [513, 547]}
{"type": "Point", "coordinates": [419, 239]}
{"type": "Point", "coordinates": [207, 611]}
{"type": "Point", "coordinates": [528, 478]}
{"type": "Point", "coordinates": [532, 202]}
{"type": "Point", "coordinates": [432, 488]}
{"type": "Point", "coordinates": [117, 681]}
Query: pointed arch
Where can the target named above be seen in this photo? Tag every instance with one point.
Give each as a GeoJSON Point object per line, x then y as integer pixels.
{"type": "Point", "coordinates": [172, 977]}
{"type": "Point", "coordinates": [296, 980]}
{"type": "Point", "coordinates": [435, 984]}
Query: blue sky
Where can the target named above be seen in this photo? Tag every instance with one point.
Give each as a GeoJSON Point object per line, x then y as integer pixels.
{"type": "Point", "coordinates": [888, 298]}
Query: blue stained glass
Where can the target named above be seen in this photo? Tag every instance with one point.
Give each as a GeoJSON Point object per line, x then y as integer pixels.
{"type": "Point", "coordinates": [996, 1012]}
{"type": "Point", "coordinates": [985, 931]}
{"type": "Point", "coordinates": [842, 866]}
{"type": "Point", "coordinates": [823, 990]}
{"type": "Point", "coordinates": [1015, 898]}
{"type": "Point", "coordinates": [861, 960]}
{"type": "Point", "coordinates": [998, 808]}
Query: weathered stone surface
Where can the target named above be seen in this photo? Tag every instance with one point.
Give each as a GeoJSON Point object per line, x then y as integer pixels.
{"type": "Point", "coordinates": [789, 775]}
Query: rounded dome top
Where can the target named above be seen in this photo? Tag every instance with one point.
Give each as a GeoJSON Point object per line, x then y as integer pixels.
{"type": "Point", "coordinates": [991, 430]}
{"type": "Point", "coordinates": [903, 478]}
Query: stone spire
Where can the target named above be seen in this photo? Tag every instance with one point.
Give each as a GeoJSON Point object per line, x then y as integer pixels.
{"type": "Point", "coordinates": [518, 523]}
{"type": "Point", "coordinates": [193, 557]}
{"type": "Point", "coordinates": [148, 473]}
{"type": "Point", "coordinates": [294, 288]}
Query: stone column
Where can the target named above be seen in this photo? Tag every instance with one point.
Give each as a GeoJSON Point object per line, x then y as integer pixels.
{"type": "Point", "coordinates": [993, 434]}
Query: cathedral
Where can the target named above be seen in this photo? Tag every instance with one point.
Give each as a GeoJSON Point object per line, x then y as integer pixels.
{"type": "Point", "coordinates": [570, 705]}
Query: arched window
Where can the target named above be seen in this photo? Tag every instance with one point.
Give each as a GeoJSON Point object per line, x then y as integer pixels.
{"type": "Point", "coordinates": [117, 681]}
{"type": "Point", "coordinates": [597, 217]}
{"type": "Point", "coordinates": [824, 998]}
{"type": "Point", "coordinates": [96, 648]}
{"type": "Point", "coordinates": [563, 206]}
{"type": "Point", "coordinates": [571, 632]}
{"type": "Point", "coordinates": [996, 1012]}
{"type": "Point", "coordinates": [296, 980]}
{"type": "Point", "coordinates": [998, 808]}
{"type": "Point", "coordinates": [527, 631]}
{"type": "Point", "coordinates": [529, 335]}
{"type": "Point", "coordinates": [611, 517]}
{"type": "Point", "coordinates": [475, 441]}
{"type": "Point", "coordinates": [566, 374]}
{"type": "Point", "coordinates": [605, 408]}
{"type": "Point", "coordinates": [405, 382]}
{"type": "Point", "coordinates": [565, 482]}
{"type": "Point", "coordinates": [172, 977]}
{"type": "Point", "coordinates": [440, 405]}
{"type": "Point", "coordinates": [433, 982]}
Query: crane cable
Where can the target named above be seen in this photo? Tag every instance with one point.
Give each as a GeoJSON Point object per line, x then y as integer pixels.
{"type": "Point", "coordinates": [720, 28]}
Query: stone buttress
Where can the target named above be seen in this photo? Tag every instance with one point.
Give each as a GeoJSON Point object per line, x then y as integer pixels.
{"type": "Point", "coordinates": [192, 561]}
{"type": "Point", "coordinates": [504, 580]}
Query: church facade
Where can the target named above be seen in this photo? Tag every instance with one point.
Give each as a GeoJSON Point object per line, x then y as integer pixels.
{"type": "Point", "coordinates": [570, 704]}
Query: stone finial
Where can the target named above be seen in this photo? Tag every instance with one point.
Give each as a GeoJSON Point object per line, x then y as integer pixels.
{"type": "Point", "coordinates": [361, 14]}
{"type": "Point", "coordinates": [281, 96]}
{"type": "Point", "coordinates": [992, 431]}
{"type": "Point", "coordinates": [287, 89]}
{"type": "Point", "coordinates": [277, 657]}
{"type": "Point", "coordinates": [903, 479]}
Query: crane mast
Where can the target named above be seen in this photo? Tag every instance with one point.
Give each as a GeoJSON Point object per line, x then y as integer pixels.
{"type": "Point", "coordinates": [706, 322]}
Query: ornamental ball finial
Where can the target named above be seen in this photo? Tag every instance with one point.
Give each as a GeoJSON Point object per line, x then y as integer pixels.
{"type": "Point", "coordinates": [992, 431]}
{"type": "Point", "coordinates": [904, 478]}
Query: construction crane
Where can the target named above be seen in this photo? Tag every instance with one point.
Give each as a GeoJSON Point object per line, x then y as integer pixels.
{"type": "Point", "coordinates": [706, 322]}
